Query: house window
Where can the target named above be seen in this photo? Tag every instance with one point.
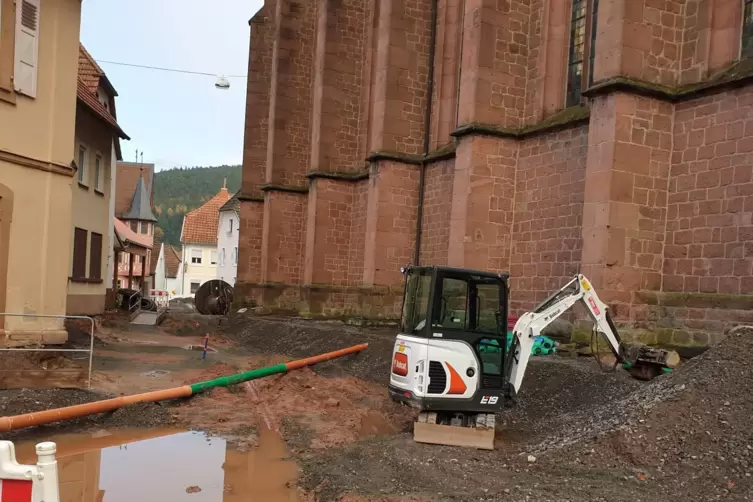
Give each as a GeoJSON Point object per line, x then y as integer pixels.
{"type": "Point", "coordinates": [95, 256]}
{"type": "Point", "coordinates": [222, 257]}
{"type": "Point", "coordinates": [582, 41]}
{"type": "Point", "coordinates": [82, 164]}
{"type": "Point", "coordinates": [235, 256]}
{"type": "Point", "coordinates": [196, 256]}
{"type": "Point", "coordinates": [135, 226]}
{"type": "Point", "coordinates": [80, 236]}
{"type": "Point", "coordinates": [194, 287]}
{"type": "Point", "coordinates": [98, 173]}
{"type": "Point", "coordinates": [213, 257]}
{"type": "Point", "coordinates": [144, 227]}
{"type": "Point", "coordinates": [747, 38]}
{"type": "Point", "coordinates": [230, 223]}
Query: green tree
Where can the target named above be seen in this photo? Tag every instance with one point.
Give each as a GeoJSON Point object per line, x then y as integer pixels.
{"type": "Point", "coordinates": [181, 190]}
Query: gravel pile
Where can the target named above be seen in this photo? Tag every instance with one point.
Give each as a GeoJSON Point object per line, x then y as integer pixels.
{"type": "Point", "coordinates": [689, 433]}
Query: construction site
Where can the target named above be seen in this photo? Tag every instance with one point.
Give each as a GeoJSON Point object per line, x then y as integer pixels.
{"type": "Point", "coordinates": [331, 433]}
{"type": "Point", "coordinates": [482, 250]}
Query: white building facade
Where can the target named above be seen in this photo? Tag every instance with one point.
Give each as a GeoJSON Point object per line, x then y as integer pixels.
{"type": "Point", "coordinates": [168, 272]}
{"type": "Point", "coordinates": [199, 256]}
{"type": "Point", "coordinates": [228, 234]}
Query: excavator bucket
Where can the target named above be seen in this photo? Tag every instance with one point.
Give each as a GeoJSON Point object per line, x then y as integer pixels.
{"type": "Point", "coordinates": [646, 363]}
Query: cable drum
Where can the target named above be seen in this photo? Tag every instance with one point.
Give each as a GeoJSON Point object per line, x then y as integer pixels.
{"type": "Point", "coordinates": [214, 297]}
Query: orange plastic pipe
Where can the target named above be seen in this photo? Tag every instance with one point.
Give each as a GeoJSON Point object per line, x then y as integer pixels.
{"type": "Point", "coordinates": [81, 410]}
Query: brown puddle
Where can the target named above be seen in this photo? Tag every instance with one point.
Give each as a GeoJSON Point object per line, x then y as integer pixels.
{"type": "Point", "coordinates": [167, 465]}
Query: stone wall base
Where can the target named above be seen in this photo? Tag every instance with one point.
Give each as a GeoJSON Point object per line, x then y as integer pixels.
{"type": "Point", "coordinates": [686, 322]}
{"type": "Point", "coordinates": [358, 304]}
{"type": "Point", "coordinates": [16, 338]}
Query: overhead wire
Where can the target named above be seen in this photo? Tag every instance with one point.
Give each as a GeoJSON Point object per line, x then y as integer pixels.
{"type": "Point", "coordinates": [174, 70]}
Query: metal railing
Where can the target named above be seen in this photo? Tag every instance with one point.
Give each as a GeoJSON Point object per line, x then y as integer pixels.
{"type": "Point", "coordinates": [134, 306]}
{"type": "Point", "coordinates": [90, 350]}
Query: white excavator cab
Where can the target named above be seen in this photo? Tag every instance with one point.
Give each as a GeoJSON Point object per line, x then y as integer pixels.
{"type": "Point", "coordinates": [449, 358]}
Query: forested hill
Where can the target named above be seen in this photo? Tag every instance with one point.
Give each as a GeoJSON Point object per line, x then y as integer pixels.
{"type": "Point", "coordinates": [179, 190]}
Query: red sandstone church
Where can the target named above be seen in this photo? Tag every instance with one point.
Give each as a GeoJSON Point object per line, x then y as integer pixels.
{"type": "Point", "coordinates": [539, 137]}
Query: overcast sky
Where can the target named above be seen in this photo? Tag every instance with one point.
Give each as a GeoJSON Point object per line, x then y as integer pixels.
{"type": "Point", "coordinates": [175, 119]}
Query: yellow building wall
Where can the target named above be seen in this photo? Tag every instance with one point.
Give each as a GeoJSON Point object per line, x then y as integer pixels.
{"type": "Point", "coordinates": [90, 210]}
{"type": "Point", "coordinates": [41, 129]}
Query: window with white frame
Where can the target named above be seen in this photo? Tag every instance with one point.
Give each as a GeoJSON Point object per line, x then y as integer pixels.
{"type": "Point", "coordinates": [196, 256]}
{"type": "Point", "coordinates": [222, 257]}
{"type": "Point", "coordinates": [230, 226]}
{"type": "Point", "coordinates": [213, 257]}
{"type": "Point", "coordinates": [82, 164]}
{"type": "Point", "coordinates": [195, 286]}
{"type": "Point", "coordinates": [98, 173]}
{"type": "Point", "coordinates": [235, 256]}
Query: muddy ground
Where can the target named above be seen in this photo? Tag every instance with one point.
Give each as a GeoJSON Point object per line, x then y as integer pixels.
{"type": "Point", "coordinates": [577, 433]}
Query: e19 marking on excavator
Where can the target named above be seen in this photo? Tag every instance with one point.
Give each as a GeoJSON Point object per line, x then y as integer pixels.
{"type": "Point", "coordinates": [489, 399]}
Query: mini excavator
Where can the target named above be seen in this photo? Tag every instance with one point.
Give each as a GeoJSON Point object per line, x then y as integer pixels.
{"type": "Point", "coordinates": [451, 359]}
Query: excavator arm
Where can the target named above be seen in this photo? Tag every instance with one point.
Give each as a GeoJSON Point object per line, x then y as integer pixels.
{"type": "Point", "coordinates": [644, 362]}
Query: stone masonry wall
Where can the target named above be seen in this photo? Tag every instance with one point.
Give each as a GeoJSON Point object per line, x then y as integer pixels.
{"type": "Point", "coordinates": [654, 36]}
{"type": "Point", "coordinates": [289, 152]}
{"type": "Point", "coordinates": [337, 97]}
{"type": "Point", "coordinates": [357, 232]}
{"type": "Point", "coordinates": [651, 199]}
{"type": "Point", "coordinates": [436, 212]}
{"type": "Point", "coordinates": [400, 76]}
{"type": "Point", "coordinates": [257, 100]}
{"type": "Point", "coordinates": [547, 234]}
{"type": "Point", "coordinates": [710, 210]}
{"type": "Point", "coordinates": [250, 241]}
{"type": "Point", "coordinates": [331, 231]}
{"type": "Point", "coordinates": [284, 251]}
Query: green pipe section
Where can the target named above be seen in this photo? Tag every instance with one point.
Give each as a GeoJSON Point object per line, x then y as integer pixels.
{"type": "Point", "coordinates": [244, 376]}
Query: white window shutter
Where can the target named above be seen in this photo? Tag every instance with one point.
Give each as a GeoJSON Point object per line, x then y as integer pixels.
{"type": "Point", "coordinates": [27, 47]}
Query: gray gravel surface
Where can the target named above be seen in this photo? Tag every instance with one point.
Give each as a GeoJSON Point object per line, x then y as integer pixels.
{"type": "Point", "coordinates": [593, 435]}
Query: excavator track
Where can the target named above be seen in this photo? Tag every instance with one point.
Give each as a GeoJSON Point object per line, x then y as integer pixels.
{"type": "Point", "coordinates": [475, 430]}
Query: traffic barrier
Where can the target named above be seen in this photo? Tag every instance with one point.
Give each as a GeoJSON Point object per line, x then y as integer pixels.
{"type": "Point", "coordinates": [29, 483]}
{"type": "Point", "coordinates": [160, 297]}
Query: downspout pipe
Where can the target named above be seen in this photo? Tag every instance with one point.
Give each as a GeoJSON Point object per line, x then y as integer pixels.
{"type": "Point", "coordinates": [427, 131]}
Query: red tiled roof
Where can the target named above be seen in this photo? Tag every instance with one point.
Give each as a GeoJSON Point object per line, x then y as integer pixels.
{"type": "Point", "coordinates": [88, 69]}
{"type": "Point", "coordinates": [172, 261]}
{"type": "Point", "coordinates": [126, 234]}
{"type": "Point", "coordinates": [89, 74]}
{"type": "Point", "coordinates": [200, 225]}
{"type": "Point", "coordinates": [88, 99]}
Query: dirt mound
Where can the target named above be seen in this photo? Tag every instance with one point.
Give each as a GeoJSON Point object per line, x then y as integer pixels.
{"type": "Point", "coordinates": [313, 411]}
{"type": "Point", "coordinates": [299, 338]}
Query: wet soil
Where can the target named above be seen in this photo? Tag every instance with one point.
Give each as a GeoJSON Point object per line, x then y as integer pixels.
{"type": "Point", "coordinates": [576, 434]}
{"type": "Point", "coordinates": [18, 401]}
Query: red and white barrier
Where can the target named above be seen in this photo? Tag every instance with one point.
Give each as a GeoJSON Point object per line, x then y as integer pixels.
{"type": "Point", "coordinates": [29, 483]}
{"type": "Point", "coordinates": [161, 297]}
